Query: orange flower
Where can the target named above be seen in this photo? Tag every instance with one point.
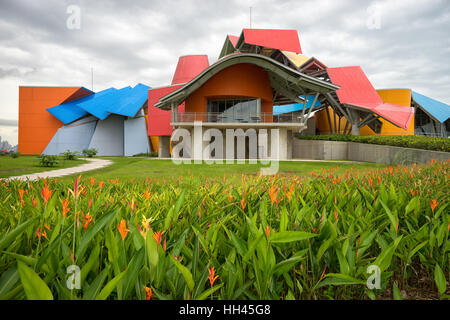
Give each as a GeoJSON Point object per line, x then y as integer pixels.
{"type": "Point", "coordinates": [243, 204]}
{"type": "Point", "coordinates": [92, 181]}
{"type": "Point", "coordinates": [289, 193]}
{"type": "Point", "coordinates": [90, 203]}
{"type": "Point", "coordinates": [158, 236]}
{"type": "Point", "coordinates": [66, 208]}
{"type": "Point", "coordinates": [122, 226]}
{"type": "Point", "coordinates": [21, 192]}
{"type": "Point", "coordinates": [148, 293]}
{"type": "Point", "coordinates": [132, 204]}
{"type": "Point", "coordinates": [273, 193]}
{"type": "Point", "coordinates": [46, 193]}
{"type": "Point", "coordinates": [433, 204]}
{"type": "Point", "coordinates": [34, 202]}
{"type": "Point", "coordinates": [87, 221]}
{"type": "Point", "coordinates": [147, 194]}
{"type": "Point", "coordinates": [101, 183]}
{"type": "Point", "coordinates": [267, 231]}
{"type": "Point", "coordinates": [211, 277]}
{"type": "Point", "coordinates": [40, 233]}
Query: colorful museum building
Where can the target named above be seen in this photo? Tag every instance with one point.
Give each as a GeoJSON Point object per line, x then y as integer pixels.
{"type": "Point", "coordinates": [261, 81]}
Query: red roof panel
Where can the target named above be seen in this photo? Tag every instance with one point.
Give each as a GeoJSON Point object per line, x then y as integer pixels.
{"type": "Point", "coordinates": [189, 67]}
{"type": "Point", "coordinates": [271, 38]}
{"type": "Point", "coordinates": [233, 39]}
{"type": "Point", "coordinates": [158, 119]}
{"type": "Point", "coordinates": [357, 90]}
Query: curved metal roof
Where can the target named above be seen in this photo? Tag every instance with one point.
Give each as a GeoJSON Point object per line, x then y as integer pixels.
{"type": "Point", "coordinates": [286, 81]}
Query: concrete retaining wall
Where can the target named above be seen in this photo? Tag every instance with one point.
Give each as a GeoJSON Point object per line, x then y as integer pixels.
{"type": "Point", "coordinates": [338, 150]}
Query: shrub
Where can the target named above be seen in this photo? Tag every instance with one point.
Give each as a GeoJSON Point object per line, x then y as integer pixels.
{"type": "Point", "coordinates": [15, 155]}
{"type": "Point", "coordinates": [90, 152]}
{"type": "Point", "coordinates": [417, 142]}
{"type": "Point", "coordinates": [47, 160]}
{"type": "Point", "coordinates": [69, 155]}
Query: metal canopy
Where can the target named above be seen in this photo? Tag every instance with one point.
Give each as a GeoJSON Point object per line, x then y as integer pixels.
{"type": "Point", "coordinates": [285, 81]}
{"type": "Point", "coordinates": [437, 110]}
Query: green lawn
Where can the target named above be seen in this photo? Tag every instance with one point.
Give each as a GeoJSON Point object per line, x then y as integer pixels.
{"type": "Point", "coordinates": [128, 168]}
{"type": "Point", "coordinates": [25, 164]}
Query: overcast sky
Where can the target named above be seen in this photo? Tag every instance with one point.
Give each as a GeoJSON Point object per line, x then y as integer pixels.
{"type": "Point", "coordinates": [398, 43]}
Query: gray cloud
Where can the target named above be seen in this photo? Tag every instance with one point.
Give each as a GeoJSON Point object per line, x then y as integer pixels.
{"type": "Point", "coordinates": [8, 122]}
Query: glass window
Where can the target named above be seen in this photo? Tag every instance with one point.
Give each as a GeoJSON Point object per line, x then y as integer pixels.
{"type": "Point", "coordinates": [234, 110]}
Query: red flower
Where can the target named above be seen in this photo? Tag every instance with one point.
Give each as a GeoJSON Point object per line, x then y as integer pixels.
{"type": "Point", "coordinates": [211, 277]}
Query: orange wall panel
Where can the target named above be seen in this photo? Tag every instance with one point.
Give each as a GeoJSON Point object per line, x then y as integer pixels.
{"type": "Point", "coordinates": [241, 80]}
{"type": "Point", "coordinates": [36, 125]}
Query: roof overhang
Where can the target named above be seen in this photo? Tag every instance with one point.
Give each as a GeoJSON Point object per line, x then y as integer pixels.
{"type": "Point", "coordinates": [284, 80]}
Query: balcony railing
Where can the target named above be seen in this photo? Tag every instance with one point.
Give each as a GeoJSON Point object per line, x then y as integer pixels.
{"type": "Point", "coordinates": [217, 117]}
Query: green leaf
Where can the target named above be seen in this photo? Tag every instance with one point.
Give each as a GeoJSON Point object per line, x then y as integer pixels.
{"type": "Point", "coordinates": [286, 265]}
{"type": "Point", "coordinates": [132, 273]}
{"type": "Point", "coordinates": [396, 292]}
{"type": "Point", "coordinates": [283, 220]}
{"type": "Point", "coordinates": [323, 248]}
{"type": "Point", "coordinates": [383, 261]}
{"type": "Point", "coordinates": [110, 286]}
{"type": "Point", "coordinates": [12, 235]}
{"type": "Point", "coordinates": [35, 288]}
{"type": "Point", "coordinates": [152, 249]}
{"type": "Point", "coordinates": [239, 244]}
{"type": "Point", "coordinates": [439, 278]}
{"type": "Point", "coordinates": [338, 279]}
{"type": "Point", "coordinates": [8, 280]}
{"type": "Point", "coordinates": [94, 230]}
{"type": "Point", "coordinates": [209, 292]}
{"type": "Point", "coordinates": [95, 286]}
{"type": "Point", "coordinates": [187, 275]}
{"type": "Point", "coordinates": [290, 236]}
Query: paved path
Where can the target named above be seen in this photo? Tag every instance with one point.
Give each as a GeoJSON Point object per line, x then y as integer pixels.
{"type": "Point", "coordinates": [92, 165]}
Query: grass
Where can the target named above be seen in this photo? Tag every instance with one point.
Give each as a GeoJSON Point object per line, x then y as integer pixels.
{"type": "Point", "coordinates": [26, 164]}
{"type": "Point", "coordinates": [265, 237]}
{"type": "Point", "coordinates": [137, 168]}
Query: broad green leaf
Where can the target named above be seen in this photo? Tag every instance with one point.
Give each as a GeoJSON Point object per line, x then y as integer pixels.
{"type": "Point", "coordinates": [383, 261]}
{"type": "Point", "coordinates": [12, 235]}
{"type": "Point", "coordinates": [439, 278]}
{"type": "Point", "coordinates": [209, 292]}
{"type": "Point", "coordinates": [96, 285]}
{"type": "Point", "coordinates": [187, 275]}
{"type": "Point", "coordinates": [110, 286]}
{"type": "Point", "coordinates": [152, 249]}
{"type": "Point", "coordinates": [35, 288]}
{"type": "Point", "coordinates": [8, 280]}
{"type": "Point", "coordinates": [396, 292]}
{"type": "Point", "coordinates": [337, 279]}
{"type": "Point", "coordinates": [290, 236]}
{"type": "Point", "coordinates": [99, 225]}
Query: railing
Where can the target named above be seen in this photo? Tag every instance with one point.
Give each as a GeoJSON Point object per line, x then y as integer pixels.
{"type": "Point", "coordinates": [218, 117]}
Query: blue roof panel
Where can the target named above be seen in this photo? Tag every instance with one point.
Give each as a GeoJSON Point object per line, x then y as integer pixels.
{"type": "Point", "coordinates": [98, 106]}
{"type": "Point", "coordinates": [439, 110]}
{"type": "Point", "coordinates": [295, 107]}
{"type": "Point", "coordinates": [129, 103]}
{"type": "Point", "coordinates": [70, 111]}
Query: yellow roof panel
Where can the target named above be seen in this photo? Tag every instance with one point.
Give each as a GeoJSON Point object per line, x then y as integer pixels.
{"type": "Point", "coordinates": [296, 58]}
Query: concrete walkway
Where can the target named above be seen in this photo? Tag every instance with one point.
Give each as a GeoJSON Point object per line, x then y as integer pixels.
{"type": "Point", "coordinates": [93, 164]}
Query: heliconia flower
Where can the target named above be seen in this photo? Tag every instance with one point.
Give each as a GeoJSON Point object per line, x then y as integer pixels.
{"type": "Point", "coordinates": [158, 236]}
{"type": "Point", "coordinates": [211, 277]}
{"type": "Point", "coordinates": [273, 193]}
{"type": "Point", "coordinates": [46, 193]}
{"type": "Point", "coordinates": [40, 233]}
{"type": "Point", "coordinates": [34, 202]}
{"type": "Point", "coordinates": [90, 203]}
{"type": "Point", "coordinates": [75, 187]}
{"type": "Point", "coordinates": [267, 231]}
{"type": "Point", "coordinates": [335, 215]}
{"type": "Point", "coordinates": [323, 273]}
{"type": "Point", "coordinates": [123, 230]}
{"type": "Point", "coordinates": [148, 293]}
{"type": "Point", "coordinates": [289, 193]}
{"type": "Point", "coordinates": [178, 258]}
{"type": "Point", "coordinates": [230, 198]}
{"type": "Point", "coordinates": [164, 245]}
{"type": "Point", "coordinates": [243, 204]}
{"type": "Point", "coordinates": [87, 220]}
{"type": "Point", "coordinates": [21, 192]}
{"type": "Point", "coordinates": [433, 204]}
{"type": "Point", "coordinates": [101, 183]}
{"type": "Point", "coordinates": [199, 213]}
{"type": "Point", "coordinates": [92, 181]}
{"type": "Point", "coordinates": [132, 204]}
{"type": "Point", "coordinates": [46, 226]}
{"type": "Point", "coordinates": [147, 194]}
{"type": "Point", "coordinates": [66, 208]}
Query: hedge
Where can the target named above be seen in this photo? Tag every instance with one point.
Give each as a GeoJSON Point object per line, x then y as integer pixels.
{"type": "Point", "coordinates": [417, 142]}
